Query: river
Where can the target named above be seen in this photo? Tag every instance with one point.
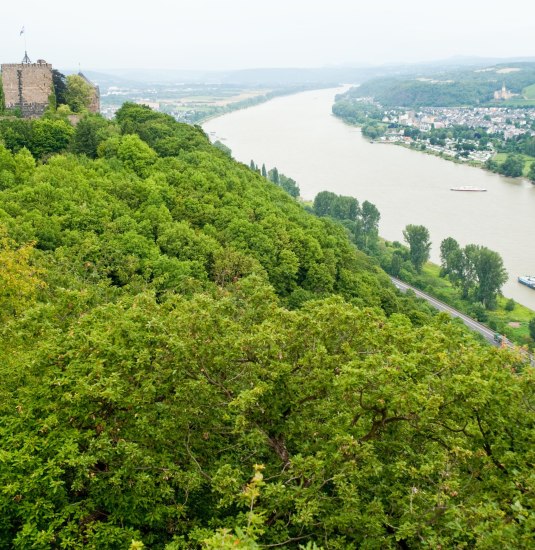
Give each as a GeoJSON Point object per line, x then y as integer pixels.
{"type": "Point", "coordinates": [299, 135]}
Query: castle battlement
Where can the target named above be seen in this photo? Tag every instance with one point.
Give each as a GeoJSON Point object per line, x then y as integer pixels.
{"type": "Point", "coordinates": [28, 65]}
{"type": "Point", "coordinates": [27, 86]}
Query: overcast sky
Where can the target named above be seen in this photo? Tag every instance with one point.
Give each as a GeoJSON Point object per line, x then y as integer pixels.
{"type": "Point", "coordinates": [236, 34]}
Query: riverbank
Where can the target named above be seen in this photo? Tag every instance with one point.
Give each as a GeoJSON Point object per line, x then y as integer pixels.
{"type": "Point", "coordinates": [299, 135]}
{"type": "Point", "coordinates": [259, 100]}
{"type": "Point", "coordinates": [507, 319]}
{"type": "Point", "coordinates": [510, 318]}
{"type": "Point", "coordinates": [414, 145]}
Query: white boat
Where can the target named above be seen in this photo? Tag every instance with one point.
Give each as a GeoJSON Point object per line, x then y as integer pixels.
{"type": "Point", "coordinates": [467, 188]}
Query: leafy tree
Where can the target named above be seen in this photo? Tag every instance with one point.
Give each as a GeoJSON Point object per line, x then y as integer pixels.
{"type": "Point", "coordinates": [345, 208]}
{"type": "Point", "coordinates": [50, 136]}
{"type": "Point", "coordinates": [338, 207]}
{"type": "Point", "coordinates": [531, 174]}
{"type": "Point", "coordinates": [490, 273]}
{"type": "Point", "coordinates": [323, 203]}
{"type": "Point", "coordinates": [59, 82]}
{"type": "Point", "coordinates": [89, 133]}
{"type": "Point", "coordinates": [456, 267]}
{"type": "Point", "coordinates": [264, 172]}
{"type": "Point", "coordinates": [449, 252]}
{"type": "Point", "coordinates": [528, 147]}
{"type": "Point", "coordinates": [396, 263]}
{"type": "Point", "coordinates": [136, 154]}
{"type": "Point", "coordinates": [24, 166]}
{"type": "Point", "coordinates": [368, 227]}
{"type": "Point", "coordinates": [531, 327]}
{"type": "Point", "coordinates": [289, 185]}
{"type": "Point", "coordinates": [78, 93]}
{"type": "Point", "coordinates": [222, 147]}
{"type": "Point", "coordinates": [273, 175]}
{"type": "Point", "coordinates": [474, 269]}
{"type": "Point", "coordinates": [513, 166]}
{"type": "Point", "coordinates": [417, 237]}
{"type": "Point", "coordinates": [16, 134]}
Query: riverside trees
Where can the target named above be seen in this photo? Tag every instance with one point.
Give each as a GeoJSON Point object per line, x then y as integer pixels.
{"type": "Point", "coordinates": [361, 221]}
{"type": "Point", "coordinates": [417, 237]}
{"type": "Point", "coordinates": [478, 271]}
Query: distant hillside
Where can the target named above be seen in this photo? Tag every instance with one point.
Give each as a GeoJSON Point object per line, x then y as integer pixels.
{"type": "Point", "coordinates": [448, 88]}
{"type": "Point", "coordinates": [274, 77]}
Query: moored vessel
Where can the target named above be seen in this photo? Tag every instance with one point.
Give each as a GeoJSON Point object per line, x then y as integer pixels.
{"type": "Point", "coordinates": [528, 280]}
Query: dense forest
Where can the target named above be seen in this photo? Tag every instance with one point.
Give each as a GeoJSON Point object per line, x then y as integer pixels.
{"type": "Point", "coordinates": [454, 88]}
{"type": "Point", "coordinates": [190, 359]}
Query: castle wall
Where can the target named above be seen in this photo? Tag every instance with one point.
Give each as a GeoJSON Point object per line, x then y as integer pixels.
{"type": "Point", "coordinates": [27, 86]}
{"type": "Point", "coordinates": [94, 106]}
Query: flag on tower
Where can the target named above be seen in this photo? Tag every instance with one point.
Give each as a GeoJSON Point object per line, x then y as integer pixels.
{"type": "Point", "coordinates": [21, 31]}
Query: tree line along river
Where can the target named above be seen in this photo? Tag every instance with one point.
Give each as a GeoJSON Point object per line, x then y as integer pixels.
{"type": "Point", "coordinates": [299, 135]}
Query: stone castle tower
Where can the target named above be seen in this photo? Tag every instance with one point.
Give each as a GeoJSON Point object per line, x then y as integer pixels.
{"type": "Point", "coordinates": [27, 86]}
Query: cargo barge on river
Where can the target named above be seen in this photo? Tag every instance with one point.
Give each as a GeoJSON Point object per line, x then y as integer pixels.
{"type": "Point", "coordinates": [468, 188]}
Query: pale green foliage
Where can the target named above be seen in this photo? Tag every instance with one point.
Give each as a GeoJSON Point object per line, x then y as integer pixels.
{"type": "Point", "coordinates": [78, 93]}
{"type": "Point", "coordinates": [224, 540]}
{"type": "Point", "coordinates": [136, 154]}
{"type": "Point", "coordinates": [19, 280]}
{"type": "Point", "coordinates": [50, 136]}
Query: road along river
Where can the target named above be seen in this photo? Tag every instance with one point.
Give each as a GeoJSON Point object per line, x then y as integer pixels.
{"type": "Point", "coordinates": [299, 135]}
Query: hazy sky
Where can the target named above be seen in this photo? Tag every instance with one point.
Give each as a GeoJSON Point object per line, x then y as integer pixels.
{"type": "Point", "coordinates": [234, 34]}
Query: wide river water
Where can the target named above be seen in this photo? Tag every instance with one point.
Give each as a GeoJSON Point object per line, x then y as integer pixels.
{"type": "Point", "coordinates": [299, 135]}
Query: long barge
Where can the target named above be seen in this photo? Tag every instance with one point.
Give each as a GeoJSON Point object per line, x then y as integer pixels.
{"type": "Point", "coordinates": [468, 188]}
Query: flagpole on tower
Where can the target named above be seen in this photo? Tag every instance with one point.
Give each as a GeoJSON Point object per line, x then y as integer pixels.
{"type": "Point", "coordinates": [26, 58]}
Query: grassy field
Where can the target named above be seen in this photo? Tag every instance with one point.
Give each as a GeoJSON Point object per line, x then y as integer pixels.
{"type": "Point", "coordinates": [517, 102]}
{"type": "Point", "coordinates": [528, 161]}
{"type": "Point", "coordinates": [529, 92]}
{"type": "Point", "coordinates": [498, 319]}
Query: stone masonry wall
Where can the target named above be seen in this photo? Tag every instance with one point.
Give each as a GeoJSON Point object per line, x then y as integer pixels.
{"type": "Point", "coordinates": [94, 106]}
{"type": "Point", "coordinates": [27, 86]}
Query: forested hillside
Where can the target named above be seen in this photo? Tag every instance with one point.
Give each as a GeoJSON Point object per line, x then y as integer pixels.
{"type": "Point", "coordinates": [453, 88]}
{"type": "Point", "coordinates": [191, 360]}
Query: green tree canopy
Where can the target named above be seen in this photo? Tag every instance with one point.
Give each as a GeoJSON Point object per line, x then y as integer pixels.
{"type": "Point", "coordinates": [192, 360]}
{"type": "Point", "coordinates": [89, 133]}
{"type": "Point", "coordinates": [78, 93]}
{"type": "Point", "coordinates": [417, 237]}
{"type": "Point", "coordinates": [477, 270]}
{"type": "Point", "coordinates": [513, 166]}
{"type": "Point", "coordinates": [50, 136]}
{"type": "Point", "coordinates": [59, 81]}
